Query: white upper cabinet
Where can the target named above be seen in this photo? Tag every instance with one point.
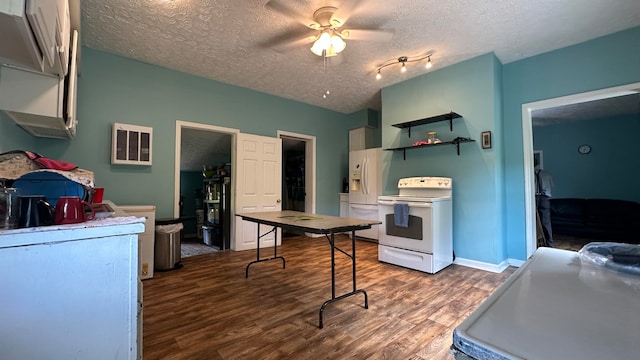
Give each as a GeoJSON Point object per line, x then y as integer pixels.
{"type": "Point", "coordinates": [39, 51]}
{"type": "Point", "coordinates": [43, 105]}
{"type": "Point", "coordinates": [361, 138]}
{"type": "Point", "coordinates": [36, 35]}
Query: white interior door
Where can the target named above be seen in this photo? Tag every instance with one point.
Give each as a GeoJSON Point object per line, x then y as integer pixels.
{"type": "Point", "coordinates": [258, 187]}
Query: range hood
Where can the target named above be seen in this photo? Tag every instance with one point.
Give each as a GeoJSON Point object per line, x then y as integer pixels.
{"type": "Point", "coordinates": [43, 126]}
{"type": "Point", "coordinates": [39, 65]}
{"type": "Point", "coordinates": [44, 105]}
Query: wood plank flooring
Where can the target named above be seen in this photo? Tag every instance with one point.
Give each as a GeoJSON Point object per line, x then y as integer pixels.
{"type": "Point", "coordinates": [208, 310]}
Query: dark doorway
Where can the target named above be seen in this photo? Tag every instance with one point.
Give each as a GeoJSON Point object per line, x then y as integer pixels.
{"type": "Point", "coordinates": [293, 175]}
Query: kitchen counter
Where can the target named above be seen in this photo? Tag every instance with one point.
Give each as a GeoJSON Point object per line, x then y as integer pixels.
{"type": "Point", "coordinates": [556, 306]}
{"type": "Point", "coordinates": [119, 223]}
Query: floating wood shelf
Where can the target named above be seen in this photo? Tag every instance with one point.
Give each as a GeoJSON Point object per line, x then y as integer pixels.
{"type": "Point", "coordinates": [444, 117]}
{"type": "Point", "coordinates": [456, 142]}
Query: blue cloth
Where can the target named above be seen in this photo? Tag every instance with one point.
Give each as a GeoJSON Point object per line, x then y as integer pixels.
{"type": "Point", "coordinates": [401, 215]}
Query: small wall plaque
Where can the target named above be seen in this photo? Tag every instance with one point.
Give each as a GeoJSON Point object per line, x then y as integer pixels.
{"type": "Point", "coordinates": [131, 144]}
{"type": "Point", "coordinates": [486, 139]}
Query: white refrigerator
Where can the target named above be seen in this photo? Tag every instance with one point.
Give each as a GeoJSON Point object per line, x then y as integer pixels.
{"type": "Point", "coordinates": [365, 184]}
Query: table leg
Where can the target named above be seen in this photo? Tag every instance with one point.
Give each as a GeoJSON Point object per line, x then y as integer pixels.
{"type": "Point", "coordinates": [333, 277]}
{"type": "Point", "coordinates": [275, 250]}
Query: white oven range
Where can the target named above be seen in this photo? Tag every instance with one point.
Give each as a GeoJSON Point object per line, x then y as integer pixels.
{"type": "Point", "coordinates": [426, 243]}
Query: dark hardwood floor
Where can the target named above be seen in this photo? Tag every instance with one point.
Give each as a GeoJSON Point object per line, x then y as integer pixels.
{"type": "Point", "coordinates": [208, 310]}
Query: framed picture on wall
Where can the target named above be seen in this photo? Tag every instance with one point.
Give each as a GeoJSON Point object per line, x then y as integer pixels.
{"type": "Point", "coordinates": [537, 158]}
{"type": "Point", "coordinates": [486, 139]}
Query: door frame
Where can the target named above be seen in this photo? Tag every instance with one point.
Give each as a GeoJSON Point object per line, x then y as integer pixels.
{"type": "Point", "coordinates": [309, 167]}
{"type": "Point", "coordinates": [178, 151]}
{"type": "Point", "coordinates": [527, 146]}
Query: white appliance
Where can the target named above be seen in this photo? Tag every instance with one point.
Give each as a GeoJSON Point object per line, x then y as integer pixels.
{"type": "Point", "coordinates": [36, 35]}
{"type": "Point", "coordinates": [146, 240]}
{"type": "Point", "coordinates": [39, 54]}
{"type": "Point", "coordinates": [426, 244]}
{"type": "Point", "coordinates": [365, 184]}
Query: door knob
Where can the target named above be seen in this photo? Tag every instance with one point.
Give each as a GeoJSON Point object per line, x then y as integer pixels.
{"type": "Point", "coordinates": [278, 201]}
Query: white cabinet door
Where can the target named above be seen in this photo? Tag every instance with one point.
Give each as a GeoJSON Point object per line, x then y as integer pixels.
{"type": "Point", "coordinates": [361, 138]}
{"type": "Point", "coordinates": [70, 299]}
{"type": "Point", "coordinates": [344, 205]}
{"type": "Point", "coordinates": [146, 243]}
{"type": "Point", "coordinates": [356, 139]}
{"type": "Point", "coordinates": [36, 101]}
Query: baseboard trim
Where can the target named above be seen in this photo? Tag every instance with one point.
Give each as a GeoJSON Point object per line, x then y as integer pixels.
{"type": "Point", "coordinates": [496, 268]}
{"type": "Point", "coordinates": [515, 262]}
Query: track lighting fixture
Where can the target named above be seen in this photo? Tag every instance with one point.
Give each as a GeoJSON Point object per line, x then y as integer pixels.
{"type": "Point", "coordinates": [403, 60]}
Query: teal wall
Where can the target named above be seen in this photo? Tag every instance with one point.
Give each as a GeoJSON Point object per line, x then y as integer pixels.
{"type": "Point", "coordinates": [601, 63]}
{"type": "Point", "coordinates": [116, 89]}
{"type": "Point", "coordinates": [608, 172]}
{"type": "Point", "coordinates": [12, 137]}
{"type": "Point", "coordinates": [471, 89]}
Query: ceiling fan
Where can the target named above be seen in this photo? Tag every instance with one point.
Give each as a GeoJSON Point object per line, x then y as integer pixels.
{"type": "Point", "coordinates": [327, 33]}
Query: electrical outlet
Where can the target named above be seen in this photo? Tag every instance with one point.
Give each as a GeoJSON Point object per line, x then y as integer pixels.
{"type": "Point", "coordinates": [145, 269]}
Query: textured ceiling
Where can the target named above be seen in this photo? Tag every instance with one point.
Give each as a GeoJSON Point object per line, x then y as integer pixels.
{"type": "Point", "coordinates": [199, 148]}
{"type": "Point", "coordinates": [238, 42]}
{"type": "Point", "coordinates": [627, 105]}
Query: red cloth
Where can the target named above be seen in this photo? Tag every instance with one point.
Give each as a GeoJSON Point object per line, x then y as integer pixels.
{"type": "Point", "coordinates": [50, 163]}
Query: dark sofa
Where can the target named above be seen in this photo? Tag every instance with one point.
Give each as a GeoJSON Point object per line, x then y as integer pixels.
{"type": "Point", "coordinates": [602, 219]}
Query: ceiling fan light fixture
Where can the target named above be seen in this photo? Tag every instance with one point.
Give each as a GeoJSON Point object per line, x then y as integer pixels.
{"type": "Point", "coordinates": [321, 44]}
{"type": "Point", "coordinates": [328, 44]}
{"type": "Point", "coordinates": [317, 49]}
{"type": "Point", "coordinates": [337, 43]}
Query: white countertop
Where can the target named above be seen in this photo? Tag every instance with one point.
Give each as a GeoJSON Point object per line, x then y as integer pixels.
{"type": "Point", "coordinates": [556, 307]}
{"type": "Point", "coordinates": [117, 224]}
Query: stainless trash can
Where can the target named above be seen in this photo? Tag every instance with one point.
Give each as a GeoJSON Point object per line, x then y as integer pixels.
{"type": "Point", "coordinates": [166, 254]}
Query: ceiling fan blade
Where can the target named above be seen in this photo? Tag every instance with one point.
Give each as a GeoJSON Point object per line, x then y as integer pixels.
{"type": "Point", "coordinates": [294, 44]}
{"type": "Point", "coordinates": [290, 41]}
{"type": "Point", "coordinates": [342, 14]}
{"type": "Point", "coordinates": [367, 34]}
{"type": "Point", "coordinates": [283, 9]}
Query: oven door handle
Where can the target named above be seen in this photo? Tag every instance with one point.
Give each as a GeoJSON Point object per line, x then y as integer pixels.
{"type": "Point", "coordinates": [361, 207]}
{"type": "Point", "coordinates": [411, 204]}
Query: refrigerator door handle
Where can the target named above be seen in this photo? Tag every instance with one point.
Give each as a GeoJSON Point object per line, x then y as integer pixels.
{"type": "Point", "coordinates": [363, 177]}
